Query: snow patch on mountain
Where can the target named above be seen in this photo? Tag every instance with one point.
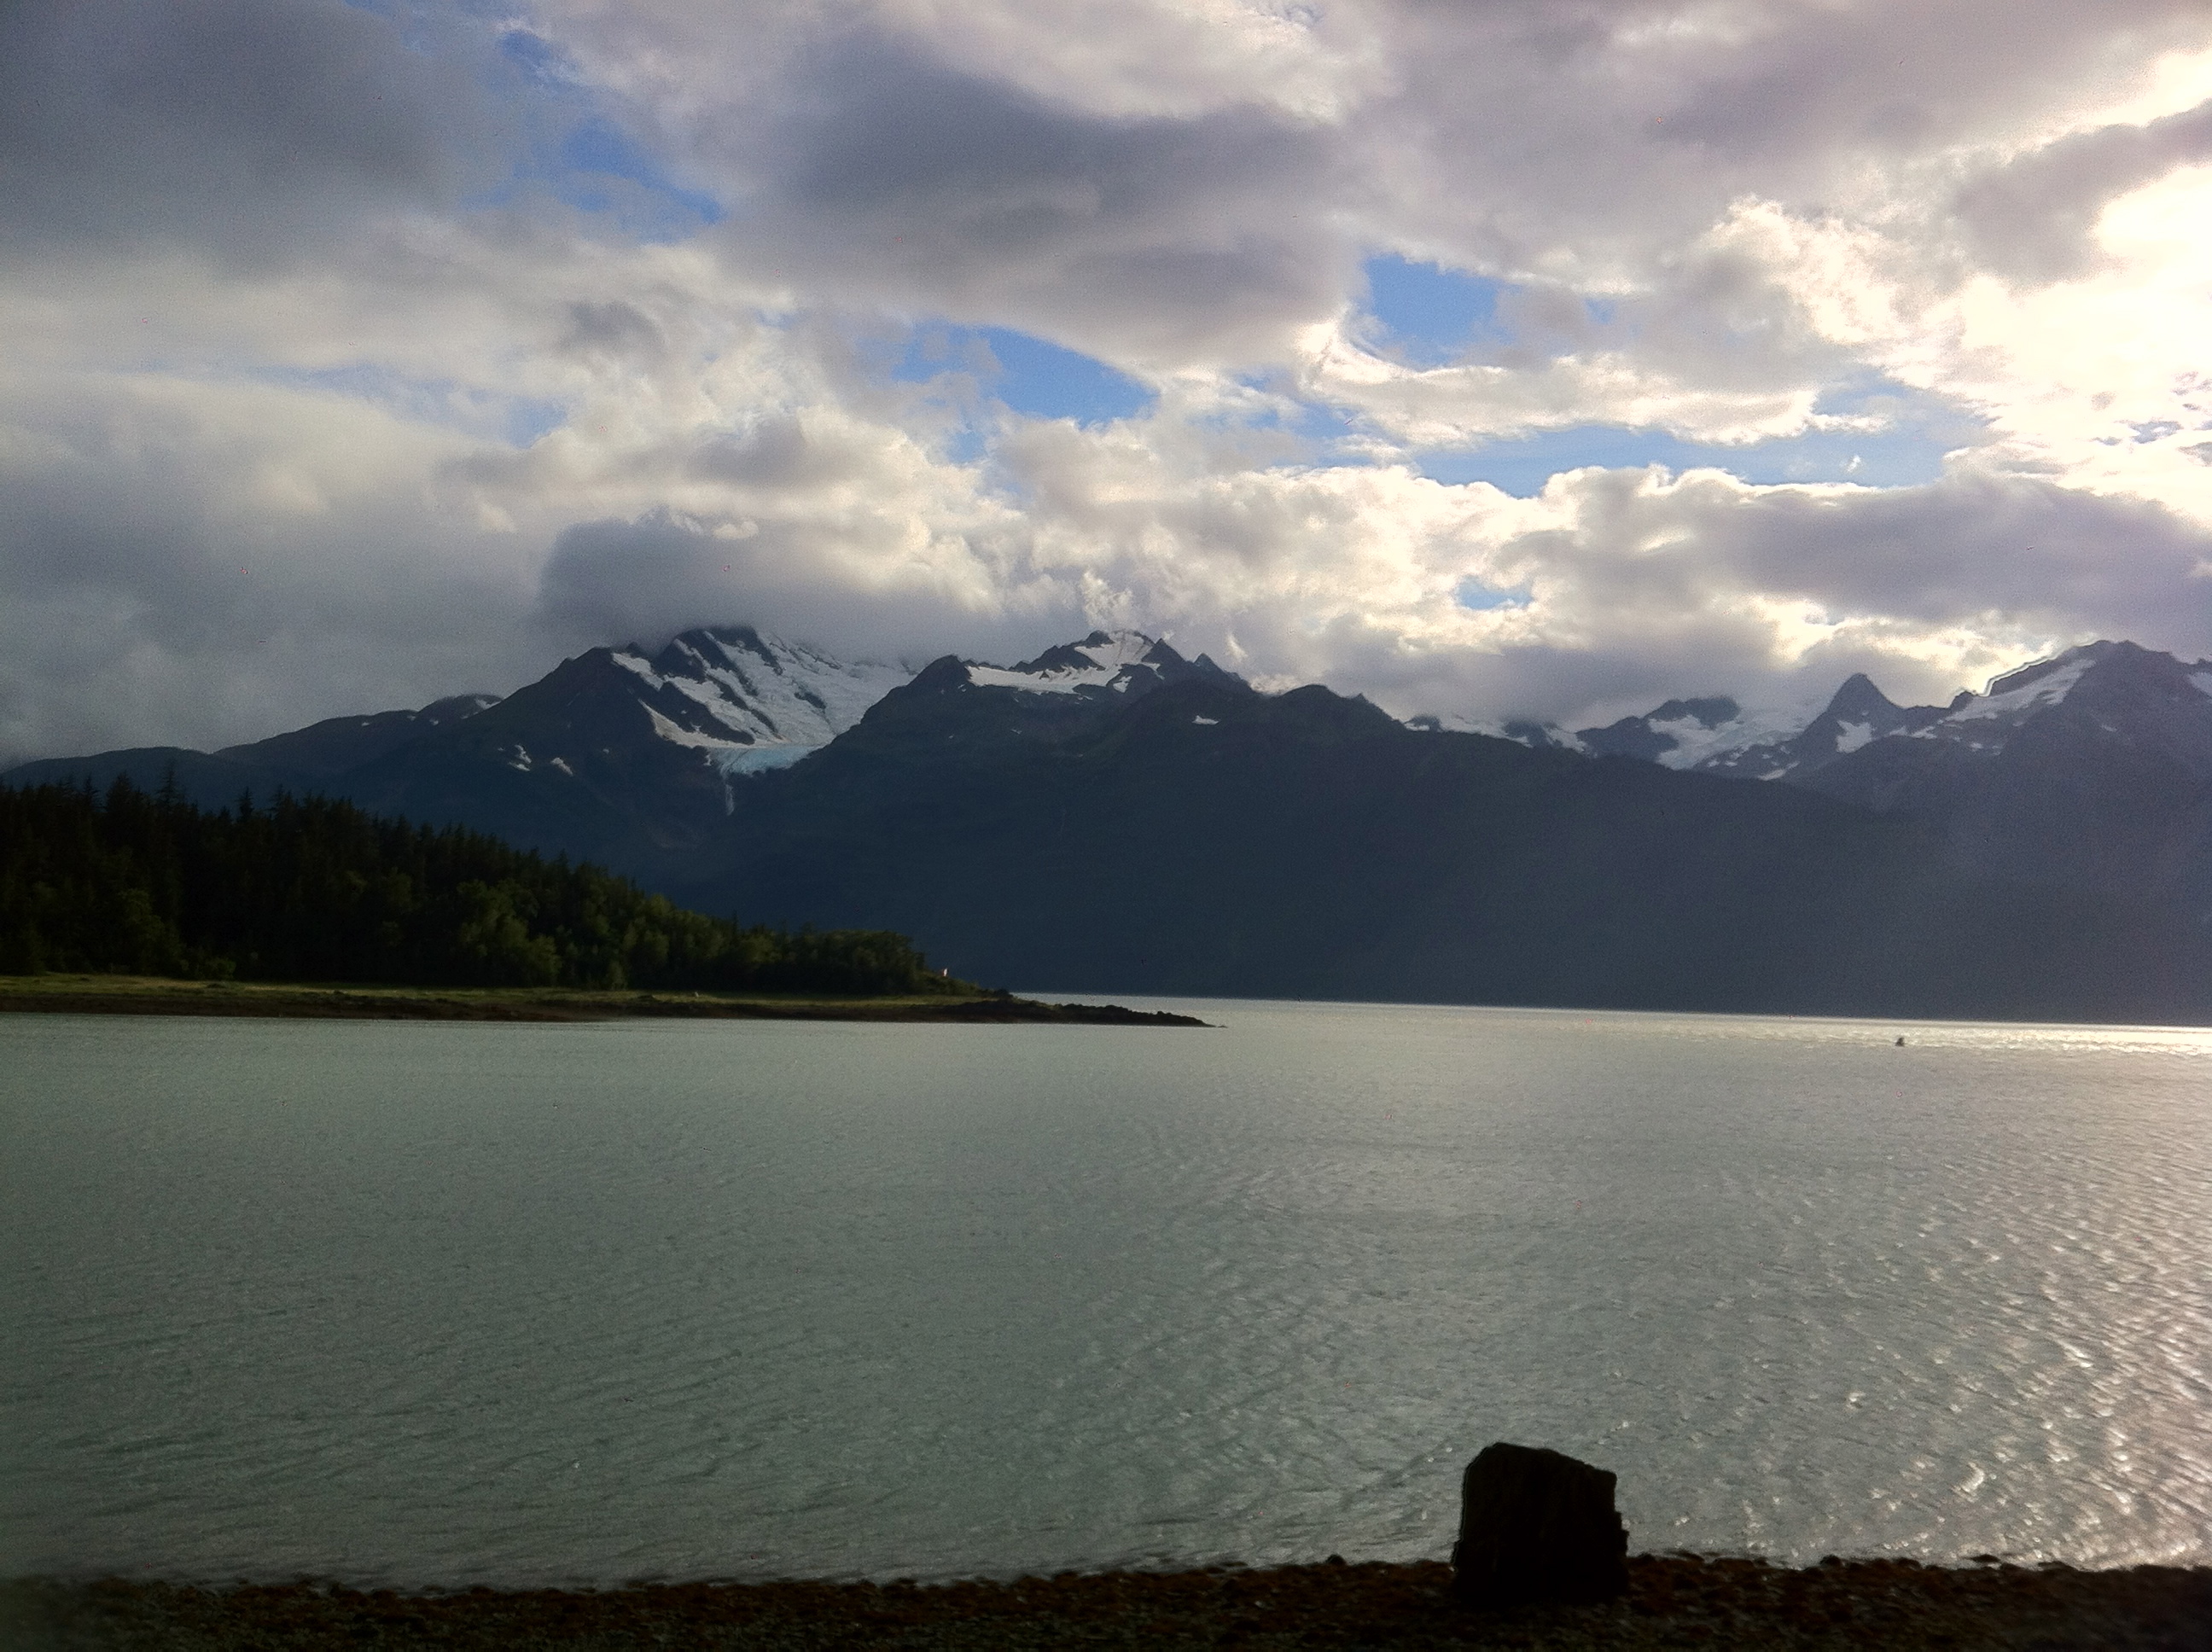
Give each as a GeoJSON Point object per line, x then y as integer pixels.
{"type": "Point", "coordinates": [1699, 744]}
{"type": "Point", "coordinates": [665, 728]}
{"type": "Point", "coordinates": [759, 759]}
{"type": "Point", "coordinates": [1060, 681]}
{"type": "Point", "coordinates": [2047, 683]}
{"type": "Point", "coordinates": [1541, 737]}
{"type": "Point", "coordinates": [1104, 659]}
{"type": "Point", "coordinates": [730, 689]}
{"type": "Point", "coordinates": [1716, 736]}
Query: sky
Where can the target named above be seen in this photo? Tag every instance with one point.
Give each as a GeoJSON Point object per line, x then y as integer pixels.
{"type": "Point", "coordinates": [1493, 358]}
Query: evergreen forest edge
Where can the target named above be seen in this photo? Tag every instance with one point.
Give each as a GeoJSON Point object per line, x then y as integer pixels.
{"type": "Point", "coordinates": [309, 888]}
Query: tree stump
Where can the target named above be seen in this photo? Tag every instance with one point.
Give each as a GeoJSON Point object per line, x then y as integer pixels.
{"type": "Point", "coordinates": [1537, 1527]}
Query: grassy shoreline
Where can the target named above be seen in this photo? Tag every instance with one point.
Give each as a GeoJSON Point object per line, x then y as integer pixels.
{"type": "Point", "coordinates": [1674, 1600]}
{"type": "Point", "coordinates": [89, 994]}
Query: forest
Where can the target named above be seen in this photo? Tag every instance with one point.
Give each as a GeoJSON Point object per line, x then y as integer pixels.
{"type": "Point", "coordinates": [131, 881]}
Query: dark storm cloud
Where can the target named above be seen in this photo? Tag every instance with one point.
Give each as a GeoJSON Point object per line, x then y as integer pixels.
{"type": "Point", "coordinates": [180, 569]}
{"type": "Point", "coordinates": [123, 518]}
{"type": "Point", "coordinates": [1603, 133]}
{"type": "Point", "coordinates": [2002, 551]}
{"type": "Point", "coordinates": [1822, 87]}
{"type": "Point", "coordinates": [777, 455]}
{"type": "Point", "coordinates": [635, 581]}
{"type": "Point", "coordinates": [2033, 219]}
{"type": "Point", "coordinates": [644, 578]}
{"type": "Point", "coordinates": [614, 331]}
{"type": "Point", "coordinates": [240, 126]}
{"type": "Point", "coordinates": [886, 175]}
{"type": "Point", "coordinates": [2031, 551]}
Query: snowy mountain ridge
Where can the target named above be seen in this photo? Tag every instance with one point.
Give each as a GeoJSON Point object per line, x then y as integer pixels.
{"type": "Point", "coordinates": [1716, 736]}
{"type": "Point", "coordinates": [2089, 773]}
{"type": "Point", "coordinates": [1105, 662]}
{"type": "Point", "coordinates": [749, 700]}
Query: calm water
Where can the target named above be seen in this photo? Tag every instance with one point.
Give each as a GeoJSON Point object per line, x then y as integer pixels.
{"type": "Point", "coordinates": [436, 1304]}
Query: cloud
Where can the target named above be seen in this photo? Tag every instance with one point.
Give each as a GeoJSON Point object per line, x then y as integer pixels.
{"type": "Point", "coordinates": [186, 566]}
{"type": "Point", "coordinates": [889, 177]}
{"type": "Point", "coordinates": [476, 336]}
{"type": "Point", "coordinates": [887, 589]}
{"type": "Point", "coordinates": [2033, 218]}
{"type": "Point", "coordinates": [250, 129]}
{"type": "Point", "coordinates": [1648, 584]}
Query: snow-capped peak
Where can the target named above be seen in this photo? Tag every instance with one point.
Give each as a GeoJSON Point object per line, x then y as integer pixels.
{"type": "Point", "coordinates": [2124, 685]}
{"type": "Point", "coordinates": [1541, 737]}
{"type": "Point", "coordinates": [1709, 732]}
{"type": "Point", "coordinates": [750, 700]}
{"type": "Point", "coordinates": [2045, 682]}
{"type": "Point", "coordinates": [1111, 661]}
{"type": "Point", "coordinates": [1698, 742]}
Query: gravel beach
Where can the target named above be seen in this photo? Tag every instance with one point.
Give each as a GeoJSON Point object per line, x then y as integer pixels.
{"type": "Point", "coordinates": [1674, 1601]}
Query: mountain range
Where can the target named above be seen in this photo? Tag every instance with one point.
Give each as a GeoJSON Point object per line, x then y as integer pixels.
{"type": "Point", "coordinates": [1109, 816]}
{"type": "Point", "coordinates": [2092, 770]}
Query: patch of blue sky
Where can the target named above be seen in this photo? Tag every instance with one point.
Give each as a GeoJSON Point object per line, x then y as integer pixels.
{"type": "Point", "coordinates": [1031, 377]}
{"type": "Point", "coordinates": [518, 420]}
{"type": "Point", "coordinates": [963, 445]}
{"type": "Point", "coordinates": [1325, 425]}
{"type": "Point", "coordinates": [539, 60]}
{"type": "Point", "coordinates": [597, 148]}
{"type": "Point", "coordinates": [577, 154]}
{"type": "Point", "coordinates": [527, 419]}
{"type": "Point", "coordinates": [1907, 452]}
{"type": "Point", "coordinates": [583, 159]}
{"type": "Point", "coordinates": [599, 169]}
{"type": "Point", "coordinates": [1430, 315]}
{"type": "Point", "coordinates": [1473, 593]}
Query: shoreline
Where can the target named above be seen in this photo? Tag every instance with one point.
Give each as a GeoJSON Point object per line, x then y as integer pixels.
{"type": "Point", "coordinates": [80, 995]}
{"type": "Point", "coordinates": [1674, 1600]}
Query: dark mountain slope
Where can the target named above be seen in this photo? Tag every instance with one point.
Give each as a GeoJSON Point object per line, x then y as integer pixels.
{"type": "Point", "coordinates": [1858, 711]}
{"type": "Point", "coordinates": [339, 744]}
{"type": "Point", "coordinates": [1109, 816]}
{"type": "Point", "coordinates": [2093, 770]}
{"type": "Point", "coordinates": [570, 763]}
{"type": "Point", "coordinates": [1205, 839]}
{"type": "Point", "coordinates": [304, 760]}
{"type": "Point", "coordinates": [202, 778]}
{"type": "Point", "coordinates": [1637, 736]}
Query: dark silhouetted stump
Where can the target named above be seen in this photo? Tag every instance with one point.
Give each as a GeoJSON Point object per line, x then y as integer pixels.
{"type": "Point", "coordinates": [1535, 1527]}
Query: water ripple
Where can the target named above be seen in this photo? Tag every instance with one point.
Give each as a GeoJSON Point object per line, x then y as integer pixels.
{"type": "Point", "coordinates": [432, 1305]}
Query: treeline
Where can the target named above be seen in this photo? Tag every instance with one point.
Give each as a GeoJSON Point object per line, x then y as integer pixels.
{"type": "Point", "coordinates": [310, 889]}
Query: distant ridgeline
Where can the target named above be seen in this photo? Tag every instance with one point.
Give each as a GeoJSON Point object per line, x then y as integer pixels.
{"type": "Point", "coordinates": [147, 884]}
{"type": "Point", "coordinates": [1111, 817]}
